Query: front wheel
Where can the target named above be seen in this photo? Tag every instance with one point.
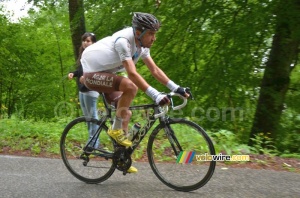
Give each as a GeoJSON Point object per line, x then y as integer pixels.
{"type": "Point", "coordinates": [176, 153]}
{"type": "Point", "coordinates": [84, 161]}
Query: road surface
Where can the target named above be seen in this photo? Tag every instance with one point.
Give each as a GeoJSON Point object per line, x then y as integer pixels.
{"type": "Point", "coordinates": [48, 178]}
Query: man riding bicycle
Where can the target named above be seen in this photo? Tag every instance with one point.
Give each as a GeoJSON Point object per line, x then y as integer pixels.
{"type": "Point", "coordinates": [120, 52]}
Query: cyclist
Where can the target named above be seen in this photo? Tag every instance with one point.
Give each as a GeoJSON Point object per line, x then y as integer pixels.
{"type": "Point", "coordinates": [120, 52]}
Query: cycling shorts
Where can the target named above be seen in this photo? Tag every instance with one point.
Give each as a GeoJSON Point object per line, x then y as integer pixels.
{"type": "Point", "coordinates": [102, 81]}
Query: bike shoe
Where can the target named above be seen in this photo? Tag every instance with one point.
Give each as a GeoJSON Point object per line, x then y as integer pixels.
{"type": "Point", "coordinates": [132, 170]}
{"type": "Point", "coordinates": [119, 137]}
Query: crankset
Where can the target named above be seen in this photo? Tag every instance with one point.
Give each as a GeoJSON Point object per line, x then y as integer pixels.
{"type": "Point", "coordinates": [121, 159]}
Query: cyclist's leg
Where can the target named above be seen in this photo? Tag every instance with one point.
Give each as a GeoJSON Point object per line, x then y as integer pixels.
{"type": "Point", "coordinates": [107, 83]}
{"type": "Point", "coordinates": [113, 99]}
{"type": "Point", "coordinates": [129, 90]}
{"type": "Point", "coordinates": [125, 121]}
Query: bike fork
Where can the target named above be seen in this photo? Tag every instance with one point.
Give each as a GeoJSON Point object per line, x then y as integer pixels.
{"type": "Point", "coordinates": [173, 140]}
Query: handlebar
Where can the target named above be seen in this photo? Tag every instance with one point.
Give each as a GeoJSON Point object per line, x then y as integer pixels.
{"type": "Point", "coordinates": [181, 105]}
{"type": "Point", "coordinates": [161, 114]}
{"type": "Point", "coordinates": [165, 109]}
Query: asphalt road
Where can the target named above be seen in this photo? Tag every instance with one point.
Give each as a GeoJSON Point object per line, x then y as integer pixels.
{"type": "Point", "coordinates": [43, 177]}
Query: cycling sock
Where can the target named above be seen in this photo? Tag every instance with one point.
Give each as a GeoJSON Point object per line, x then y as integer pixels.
{"type": "Point", "coordinates": [117, 123]}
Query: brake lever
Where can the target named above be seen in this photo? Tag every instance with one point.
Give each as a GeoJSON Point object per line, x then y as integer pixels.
{"type": "Point", "coordinates": [188, 90]}
{"type": "Point", "coordinates": [171, 100]}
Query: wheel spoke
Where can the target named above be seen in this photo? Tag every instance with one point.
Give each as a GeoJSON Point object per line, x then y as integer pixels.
{"type": "Point", "coordinates": [173, 151]}
{"type": "Point", "coordinates": [84, 162]}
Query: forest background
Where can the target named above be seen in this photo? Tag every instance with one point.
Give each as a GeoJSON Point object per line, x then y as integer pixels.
{"type": "Point", "coordinates": [239, 57]}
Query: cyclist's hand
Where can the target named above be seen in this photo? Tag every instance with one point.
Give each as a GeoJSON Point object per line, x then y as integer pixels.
{"type": "Point", "coordinates": [159, 98]}
{"type": "Point", "coordinates": [162, 99]}
{"type": "Point", "coordinates": [182, 91]}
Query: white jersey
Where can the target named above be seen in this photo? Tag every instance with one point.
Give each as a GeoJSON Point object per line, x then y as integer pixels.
{"type": "Point", "coordinates": [108, 53]}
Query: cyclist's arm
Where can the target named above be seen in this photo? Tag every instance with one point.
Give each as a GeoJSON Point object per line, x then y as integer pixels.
{"type": "Point", "coordinates": [139, 81]}
{"type": "Point", "coordinates": [122, 46]}
{"type": "Point", "coordinates": [160, 75]}
{"type": "Point", "coordinates": [156, 71]}
{"type": "Point", "coordinates": [135, 77]}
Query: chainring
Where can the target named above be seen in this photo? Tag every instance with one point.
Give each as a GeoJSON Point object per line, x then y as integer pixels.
{"type": "Point", "coordinates": [122, 159]}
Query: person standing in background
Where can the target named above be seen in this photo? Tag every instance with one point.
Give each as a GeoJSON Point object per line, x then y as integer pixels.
{"type": "Point", "coordinates": [87, 98]}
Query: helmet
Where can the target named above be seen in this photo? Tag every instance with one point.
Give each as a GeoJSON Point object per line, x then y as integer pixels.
{"type": "Point", "coordinates": [144, 21]}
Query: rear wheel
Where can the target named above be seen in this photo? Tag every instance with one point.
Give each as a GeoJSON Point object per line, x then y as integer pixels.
{"type": "Point", "coordinates": [176, 154]}
{"type": "Point", "coordinates": [86, 163]}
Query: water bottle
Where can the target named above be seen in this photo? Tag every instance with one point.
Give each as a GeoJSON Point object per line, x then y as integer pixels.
{"type": "Point", "coordinates": [134, 130]}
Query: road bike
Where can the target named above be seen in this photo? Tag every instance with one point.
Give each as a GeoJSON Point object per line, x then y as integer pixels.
{"type": "Point", "coordinates": [177, 149]}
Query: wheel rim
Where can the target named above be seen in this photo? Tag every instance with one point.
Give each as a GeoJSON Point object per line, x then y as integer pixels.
{"type": "Point", "coordinates": [185, 171]}
{"type": "Point", "coordinates": [87, 167]}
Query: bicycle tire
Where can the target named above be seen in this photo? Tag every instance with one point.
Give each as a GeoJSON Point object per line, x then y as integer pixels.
{"type": "Point", "coordinates": [180, 171]}
{"type": "Point", "coordinates": [87, 167]}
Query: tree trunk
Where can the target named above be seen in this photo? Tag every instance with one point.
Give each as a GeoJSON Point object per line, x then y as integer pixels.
{"type": "Point", "coordinates": [77, 24]}
{"type": "Point", "coordinates": [276, 79]}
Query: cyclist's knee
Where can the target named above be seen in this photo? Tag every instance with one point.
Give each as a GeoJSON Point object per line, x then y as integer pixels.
{"type": "Point", "coordinates": [129, 87]}
{"type": "Point", "coordinates": [129, 114]}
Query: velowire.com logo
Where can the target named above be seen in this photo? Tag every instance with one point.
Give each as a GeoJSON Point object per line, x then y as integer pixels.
{"type": "Point", "coordinates": [187, 157]}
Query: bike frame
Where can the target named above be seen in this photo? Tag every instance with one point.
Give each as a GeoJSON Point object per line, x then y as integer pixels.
{"type": "Point", "coordinates": [151, 119]}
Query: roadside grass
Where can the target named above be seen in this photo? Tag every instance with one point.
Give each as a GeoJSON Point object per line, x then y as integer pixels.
{"type": "Point", "coordinates": [30, 135]}
{"type": "Point", "coordinates": [43, 137]}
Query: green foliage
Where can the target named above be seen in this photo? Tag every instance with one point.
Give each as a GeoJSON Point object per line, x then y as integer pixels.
{"type": "Point", "coordinates": [288, 139]}
{"type": "Point", "coordinates": [216, 47]}
{"type": "Point", "coordinates": [227, 143]}
{"type": "Point", "coordinates": [36, 65]}
{"type": "Point", "coordinates": [289, 136]}
{"type": "Point", "coordinates": [291, 155]}
{"type": "Point", "coordinates": [263, 144]}
{"type": "Point", "coordinates": [34, 136]}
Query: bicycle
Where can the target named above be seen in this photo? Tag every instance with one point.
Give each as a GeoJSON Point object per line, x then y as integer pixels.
{"type": "Point", "coordinates": [175, 148]}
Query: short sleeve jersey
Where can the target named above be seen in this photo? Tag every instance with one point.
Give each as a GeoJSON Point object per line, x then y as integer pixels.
{"type": "Point", "coordinates": [108, 53]}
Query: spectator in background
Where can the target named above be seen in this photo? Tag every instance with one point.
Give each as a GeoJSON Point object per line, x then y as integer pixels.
{"type": "Point", "coordinates": [87, 98]}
